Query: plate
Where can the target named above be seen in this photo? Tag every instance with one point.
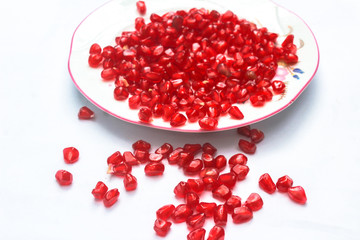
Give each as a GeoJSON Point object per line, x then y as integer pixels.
{"type": "Point", "coordinates": [109, 20]}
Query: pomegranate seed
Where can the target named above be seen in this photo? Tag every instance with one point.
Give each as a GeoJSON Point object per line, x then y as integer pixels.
{"type": "Point", "coordinates": [192, 199]}
{"type": "Point", "coordinates": [181, 213]}
{"type": "Point", "coordinates": [228, 179]}
{"type": "Point", "coordinates": [95, 49]}
{"type": "Point", "coordinates": [210, 183]}
{"type": "Point", "coordinates": [115, 158]}
{"type": "Point", "coordinates": [192, 148]}
{"type": "Point", "coordinates": [238, 158]}
{"type": "Point", "coordinates": [130, 159]}
{"type": "Point", "coordinates": [154, 169]}
{"type": "Point", "coordinates": [130, 182]}
{"type": "Point", "coordinates": [233, 202]}
{"type": "Point", "coordinates": [95, 60]}
{"type": "Point", "coordinates": [162, 227]}
{"type": "Point", "coordinates": [141, 7]}
{"type": "Point", "coordinates": [206, 208]}
{"type": "Point", "coordinates": [256, 135]}
{"type": "Point", "coordinates": [165, 211]}
{"type": "Point", "coordinates": [196, 185]}
{"type": "Point", "coordinates": [134, 102]}
{"type": "Point", "coordinates": [111, 197]}
{"type": "Point", "coordinates": [240, 171]}
{"type": "Point", "coordinates": [208, 123]}
{"type": "Point", "coordinates": [195, 221]}
{"type": "Point", "coordinates": [165, 150]}
{"type": "Point", "coordinates": [242, 214]}
{"type": "Point", "coordinates": [120, 169]}
{"type": "Point", "coordinates": [155, 157]}
{"type": "Point", "coordinates": [63, 177]}
{"type": "Point", "coordinates": [141, 155]}
{"type": "Point", "coordinates": [284, 183]}
{"type": "Point", "coordinates": [141, 145]}
{"type": "Point", "coordinates": [297, 194]}
{"type": "Point", "coordinates": [209, 172]}
{"type": "Point", "coordinates": [85, 113]}
{"type": "Point", "coordinates": [278, 86]}
{"type": "Point", "coordinates": [100, 190]}
{"type": "Point", "coordinates": [71, 155]}
{"type": "Point", "coordinates": [208, 160]}
{"type": "Point", "coordinates": [108, 74]}
{"type": "Point", "coordinates": [216, 233]}
{"type": "Point", "coordinates": [267, 184]}
{"type": "Point", "coordinates": [222, 192]}
{"type": "Point", "coordinates": [181, 189]}
{"type": "Point", "coordinates": [235, 113]}
{"type": "Point", "coordinates": [257, 100]}
{"type": "Point", "coordinates": [220, 215]}
{"type": "Point", "coordinates": [247, 147]}
{"type": "Point", "coordinates": [220, 162]}
{"type": "Point", "coordinates": [197, 234]}
{"type": "Point", "coordinates": [254, 202]}
{"type": "Point", "coordinates": [145, 115]}
{"type": "Point", "coordinates": [209, 149]}
{"type": "Point", "coordinates": [245, 131]}
{"type": "Point", "coordinates": [193, 167]}
{"type": "Point", "coordinates": [177, 120]}
{"type": "Point", "coordinates": [121, 93]}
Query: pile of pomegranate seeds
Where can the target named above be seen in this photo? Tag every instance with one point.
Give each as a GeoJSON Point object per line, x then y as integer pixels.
{"type": "Point", "coordinates": [193, 66]}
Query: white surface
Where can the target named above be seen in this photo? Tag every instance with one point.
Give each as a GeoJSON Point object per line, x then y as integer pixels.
{"type": "Point", "coordinates": [315, 141]}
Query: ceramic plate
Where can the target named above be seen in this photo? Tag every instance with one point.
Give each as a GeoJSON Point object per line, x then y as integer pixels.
{"type": "Point", "coordinates": [109, 20]}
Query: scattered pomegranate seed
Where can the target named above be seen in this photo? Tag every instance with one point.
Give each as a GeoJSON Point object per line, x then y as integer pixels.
{"type": "Point", "coordinates": [220, 215]}
{"type": "Point", "coordinates": [209, 149]}
{"type": "Point", "coordinates": [130, 159]}
{"type": "Point", "coordinates": [206, 208]}
{"type": "Point", "coordinates": [192, 199]}
{"type": "Point", "coordinates": [240, 171]}
{"type": "Point", "coordinates": [165, 150]}
{"type": "Point", "coordinates": [197, 234]}
{"type": "Point", "coordinates": [100, 190]}
{"type": "Point", "coordinates": [222, 193]}
{"type": "Point", "coordinates": [141, 7]}
{"type": "Point", "coordinates": [63, 177]}
{"type": "Point", "coordinates": [196, 185]}
{"type": "Point", "coordinates": [228, 179]}
{"type": "Point", "coordinates": [181, 189]}
{"type": "Point", "coordinates": [141, 145]}
{"type": "Point", "coordinates": [284, 183]}
{"type": "Point", "coordinates": [195, 221]}
{"type": "Point", "coordinates": [181, 213]}
{"type": "Point", "coordinates": [242, 214]}
{"type": "Point", "coordinates": [208, 123]}
{"type": "Point", "coordinates": [154, 169]}
{"type": "Point", "coordinates": [256, 135]}
{"type": "Point", "coordinates": [145, 115]}
{"type": "Point", "coordinates": [254, 202]}
{"type": "Point", "coordinates": [235, 113]}
{"type": "Point", "coordinates": [233, 202]}
{"type": "Point", "coordinates": [216, 233]}
{"type": "Point", "coordinates": [220, 162]}
{"type": "Point", "coordinates": [111, 197]}
{"type": "Point", "coordinates": [130, 182]}
{"type": "Point", "coordinates": [297, 194]}
{"type": "Point", "coordinates": [120, 169]}
{"type": "Point", "coordinates": [247, 147]}
{"type": "Point", "coordinates": [238, 158]}
{"type": "Point", "coordinates": [245, 131]}
{"type": "Point", "coordinates": [115, 158]}
{"type": "Point", "coordinates": [165, 212]}
{"type": "Point", "coordinates": [177, 120]}
{"type": "Point", "coordinates": [71, 155]}
{"type": "Point", "coordinates": [162, 227]}
{"type": "Point", "coordinates": [267, 184]}
{"type": "Point", "coordinates": [85, 113]}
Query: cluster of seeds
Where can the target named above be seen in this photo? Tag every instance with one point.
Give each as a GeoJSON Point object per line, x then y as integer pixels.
{"type": "Point", "coordinates": [193, 66]}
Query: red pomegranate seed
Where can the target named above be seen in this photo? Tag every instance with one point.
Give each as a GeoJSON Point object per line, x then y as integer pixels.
{"type": "Point", "coordinates": [108, 74]}
{"type": "Point", "coordinates": [192, 148]}
{"type": "Point", "coordinates": [95, 49]}
{"type": "Point", "coordinates": [165, 150]}
{"type": "Point", "coordinates": [208, 123]}
{"type": "Point", "coordinates": [238, 158]}
{"type": "Point", "coordinates": [130, 159]}
{"type": "Point", "coordinates": [235, 113]}
{"type": "Point", "coordinates": [95, 60]}
{"type": "Point", "coordinates": [63, 177]}
{"type": "Point", "coordinates": [181, 213]}
{"type": "Point", "coordinates": [233, 202]}
{"type": "Point", "coordinates": [85, 113]}
{"type": "Point", "coordinates": [208, 160]}
{"type": "Point", "coordinates": [154, 169]}
{"type": "Point", "coordinates": [165, 211]}
{"type": "Point", "coordinates": [257, 100]}
{"type": "Point", "coordinates": [284, 183]}
{"type": "Point", "coordinates": [181, 189]}
{"type": "Point", "coordinates": [99, 191]}
{"type": "Point", "coordinates": [111, 197]}
{"type": "Point", "coordinates": [256, 135]}
{"type": "Point", "coordinates": [141, 155]}
{"type": "Point", "coordinates": [216, 233]}
{"type": "Point", "coordinates": [121, 93]}
{"type": "Point", "coordinates": [185, 158]}
{"type": "Point", "coordinates": [115, 158]}
{"type": "Point", "coordinates": [145, 115]}
{"type": "Point", "coordinates": [71, 155]}
{"type": "Point", "coordinates": [195, 221]}
{"type": "Point", "coordinates": [174, 156]}
{"type": "Point", "coordinates": [209, 172]}
{"type": "Point", "coordinates": [222, 193]}
{"type": "Point", "coordinates": [141, 7]}
{"type": "Point", "coordinates": [177, 120]}
{"type": "Point", "coordinates": [196, 185]}
{"type": "Point", "coordinates": [245, 131]}
{"type": "Point", "coordinates": [297, 194]}
{"type": "Point", "coordinates": [247, 147]}
{"type": "Point", "coordinates": [210, 183]}
{"type": "Point", "coordinates": [192, 199]}
{"type": "Point", "coordinates": [242, 214]}
{"type": "Point", "coordinates": [278, 86]}
{"type": "Point", "coordinates": [197, 234]}
{"type": "Point", "coordinates": [220, 215]}
{"type": "Point", "coordinates": [267, 184]}
{"type": "Point", "coordinates": [155, 157]}
{"type": "Point", "coordinates": [228, 179]}
{"type": "Point", "coordinates": [206, 208]}
{"type": "Point", "coordinates": [134, 102]}
{"type": "Point", "coordinates": [193, 167]}
{"type": "Point", "coordinates": [240, 171]}
{"type": "Point", "coordinates": [209, 149]}
{"type": "Point", "coordinates": [162, 227]}
{"type": "Point", "coordinates": [220, 162]}
{"type": "Point", "coordinates": [130, 182]}
{"type": "Point", "coordinates": [120, 169]}
{"type": "Point", "coordinates": [254, 202]}
{"type": "Point", "coordinates": [141, 145]}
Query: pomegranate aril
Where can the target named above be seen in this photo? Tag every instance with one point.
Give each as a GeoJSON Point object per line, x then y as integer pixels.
{"type": "Point", "coordinates": [115, 158]}
{"type": "Point", "coordinates": [192, 148]}
{"type": "Point", "coordinates": [206, 208]}
{"type": "Point", "coordinates": [85, 113]}
{"type": "Point", "coordinates": [220, 215]}
{"type": "Point", "coordinates": [256, 135]}
{"type": "Point", "coordinates": [208, 123]}
{"type": "Point", "coordinates": [245, 131]}
{"type": "Point", "coordinates": [162, 227]}
{"type": "Point", "coordinates": [242, 214]}
{"type": "Point", "coordinates": [165, 149]}
{"type": "Point", "coordinates": [297, 194]}
{"type": "Point", "coordinates": [130, 159]}
{"type": "Point", "coordinates": [222, 193]}
{"type": "Point", "coordinates": [111, 197]}
{"type": "Point", "coordinates": [209, 172]}
{"type": "Point", "coordinates": [121, 93]}
{"type": "Point", "coordinates": [208, 160]}
{"type": "Point", "coordinates": [257, 100]}
{"type": "Point", "coordinates": [193, 167]}
{"type": "Point", "coordinates": [254, 202]}
{"type": "Point", "coordinates": [220, 162]}
{"type": "Point", "coordinates": [228, 179]}
{"type": "Point", "coordinates": [165, 211]}
{"type": "Point", "coordinates": [181, 213]}
{"type": "Point", "coordinates": [141, 145]}
{"type": "Point", "coordinates": [266, 183]}
{"type": "Point", "coordinates": [210, 183]}
{"type": "Point", "coordinates": [108, 74]}
{"type": "Point", "coordinates": [196, 185]}
{"type": "Point", "coordinates": [95, 49]}
{"type": "Point", "coordinates": [154, 169]}
{"type": "Point", "coordinates": [233, 202]}
{"type": "Point", "coordinates": [209, 149]}
{"type": "Point", "coordinates": [177, 120]}
{"type": "Point", "coordinates": [192, 199]}
{"type": "Point", "coordinates": [247, 147]}
{"type": "Point", "coordinates": [284, 183]}
{"type": "Point", "coordinates": [99, 191]}
{"type": "Point", "coordinates": [63, 177]}
{"type": "Point", "coordinates": [130, 182]}
{"type": "Point", "coordinates": [145, 115]}
{"type": "Point", "coordinates": [141, 7]}
{"type": "Point", "coordinates": [120, 169]}
{"type": "Point", "coordinates": [141, 155]}
{"type": "Point", "coordinates": [216, 233]}
{"type": "Point", "coordinates": [95, 60]}
{"type": "Point", "coordinates": [238, 158]}
{"type": "Point", "coordinates": [195, 221]}
{"type": "Point", "coordinates": [240, 171]}
{"type": "Point", "coordinates": [235, 113]}
{"type": "Point", "coordinates": [278, 86]}
{"type": "Point", "coordinates": [181, 189]}
{"type": "Point", "coordinates": [197, 234]}
{"type": "Point", "coordinates": [71, 155]}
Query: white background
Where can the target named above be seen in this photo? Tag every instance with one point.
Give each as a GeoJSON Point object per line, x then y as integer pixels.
{"type": "Point", "coordinates": [315, 140]}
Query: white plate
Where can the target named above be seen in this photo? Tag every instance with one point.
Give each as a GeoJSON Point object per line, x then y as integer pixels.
{"type": "Point", "coordinates": [108, 21]}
